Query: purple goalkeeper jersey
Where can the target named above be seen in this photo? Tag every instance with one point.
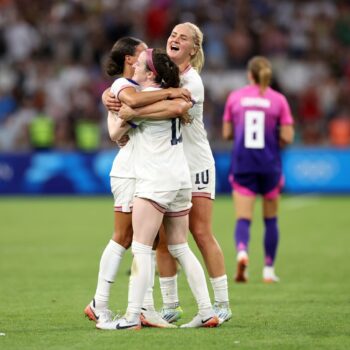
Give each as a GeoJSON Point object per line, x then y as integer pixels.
{"type": "Point", "coordinates": [256, 120]}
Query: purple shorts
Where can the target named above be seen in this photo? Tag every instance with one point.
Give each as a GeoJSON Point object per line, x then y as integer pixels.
{"type": "Point", "coordinates": [269, 185]}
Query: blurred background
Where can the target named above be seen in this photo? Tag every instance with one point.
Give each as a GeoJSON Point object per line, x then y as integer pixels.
{"type": "Point", "coordinates": [53, 131]}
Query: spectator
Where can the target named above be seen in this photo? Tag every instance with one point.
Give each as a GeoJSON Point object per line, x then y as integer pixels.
{"type": "Point", "coordinates": [59, 46]}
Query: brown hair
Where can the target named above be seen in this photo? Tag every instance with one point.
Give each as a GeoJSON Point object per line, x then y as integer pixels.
{"type": "Point", "coordinates": [260, 68]}
{"type": "Point", "coordinates": [166, 71]}
{"type": "Point", "coordinates": [116, 58]}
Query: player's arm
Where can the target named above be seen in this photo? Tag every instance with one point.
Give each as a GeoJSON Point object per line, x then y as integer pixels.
{"type": "Point", "coordinates": [160, 110]}
{"type": "Point", "coordinates": [116, 127]}
{"type": "Point", "coordinates": [227, 130]}
{"type": "Point", "coordinates": [136, 99]}
{"type": "Point", "coordinates": [109, 101]}
{"type": "Point", "coordinates": [227, 119]}
{"type": "Point", "coordinates": [286, 132]}
{"type": "Point", "coordinates": [286, 135]}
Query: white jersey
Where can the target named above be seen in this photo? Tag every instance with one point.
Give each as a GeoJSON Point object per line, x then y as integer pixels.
{"type": "Point", "coordinates": [196, 145]}
{"type": "Point", "coordinates": [160, 162]}
{"type": "Point", "coordinates": [124, 160]}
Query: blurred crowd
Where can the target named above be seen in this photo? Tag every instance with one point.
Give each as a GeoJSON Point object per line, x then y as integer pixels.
{"type": "Point", "coordinates": [52, 55]}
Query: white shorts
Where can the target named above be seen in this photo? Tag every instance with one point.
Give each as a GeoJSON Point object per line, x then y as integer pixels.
{"type": "Point", "coordinates": [123, 190]}
{"type": "Point", "coordinates": [171, 203]}
{"type": "Point", "coordinates": [203, 183]}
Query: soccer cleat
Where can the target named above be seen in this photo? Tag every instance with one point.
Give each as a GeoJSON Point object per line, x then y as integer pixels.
{"type": "Point", "coordinates": [242, 265]}
{"type": "Point", "coordinates": [269, 275]}
{"type": "Point", "coordinates": [152, 318]}
{"type": "Point", "coordinates": [212, 321]}
{"type": "Point", "coordinates": [118, 324]}
{"type": "Point", "coordinates": [222, 311]}
{"type": "Point", "coordinates": [171, 314]}
{"type": "Point", "coordinates": [97, 315]}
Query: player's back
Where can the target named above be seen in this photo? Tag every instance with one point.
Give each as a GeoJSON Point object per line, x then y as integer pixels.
{"type": "Point", "coordinates": [256, 118]}
{"type": "Point", "coordinates": [196, 144]}
{"type": "Point", "coordinates": [160, 163]}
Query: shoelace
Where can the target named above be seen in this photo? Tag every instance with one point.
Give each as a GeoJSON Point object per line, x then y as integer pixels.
{"type": "Point", "coordinates": [117, 316]}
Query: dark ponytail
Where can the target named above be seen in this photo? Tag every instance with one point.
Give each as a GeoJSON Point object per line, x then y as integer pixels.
{"type": "Point", "coordinates": [168, 74]}
{"type": "Point", "coordinates": [116, 58]}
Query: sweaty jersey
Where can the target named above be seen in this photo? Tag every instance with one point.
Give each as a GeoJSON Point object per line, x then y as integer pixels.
{"type": "Point", "coordinates": [196, 145]}
{"type": "Point", "coordinates": [160, 162]}
{"type": "Point", "coordinates": [256, 120]}
{"type": "Point", "coordinates": [123, 162]}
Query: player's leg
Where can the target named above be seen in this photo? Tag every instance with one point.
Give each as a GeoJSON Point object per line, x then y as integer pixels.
{"type": "Point", "coordinates": [148, 302]}
{"type": "Point", "coordinates": [200, 223]}
{"type": "Point", "coordinates": [123, 190]}
{"type": "Point", "coordinates": [176, 228]}
{"type": "Point", "coordinates": [146, 219]}
{"type": "Point", "coordinates": [244, 205]}
{"type": "Point", "coordinates": [149, 316]}
{"type": "Point", "coordinates": [203, 193]}
{"type": "Point", "coordinates": [271, 236]}
{"type": "Point", "coordinates": [167, 268]}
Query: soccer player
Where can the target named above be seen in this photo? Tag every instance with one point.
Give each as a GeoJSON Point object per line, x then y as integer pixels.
{"type": "Point", "coordinates": [162, 191]}
{"type": "Point", "coordinates": [259, 120]}
{"type": "Point", "coordinates": [121, 60]}
{"type": "Point", "coordinates": [184, 47]}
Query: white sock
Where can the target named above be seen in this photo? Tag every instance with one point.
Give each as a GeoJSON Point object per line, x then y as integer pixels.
{"type": "Point", "coordinates": [140, 279]}
{"type": "Point", "coordinates": [195, 276]}
{"type": "Point", "coordinates": [168, 288]}
{"type": "Point", "coordinates": [148, 302]}
{"type": "Point", "coordinates": [220, 288]}
{"type": "Point", "coordinates": [109, 264]}
{"type": "Point", "coordinates": [242, 254]}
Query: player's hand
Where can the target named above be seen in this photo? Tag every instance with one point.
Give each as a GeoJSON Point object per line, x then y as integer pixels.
{"type": "Point", "coordinates": [123, 141]}
{"type": "Point", "coordinates": [110, 102]}
{"type": "Point", "coordinates": [126, 113]}
{"type": "Point", "coordinates": [186, 118]}
{"type": "Point", "coordinates": [180, 93]}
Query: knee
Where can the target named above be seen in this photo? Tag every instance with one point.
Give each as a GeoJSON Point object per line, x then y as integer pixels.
{"type": "Point", "coordinates": [202, 235]}
{"type": "Point", "coordinates": [177, 250]}
{"type": "Point", "coordinates": [123, 238]}
{"type": "Point", "coordinates": [162, 246]}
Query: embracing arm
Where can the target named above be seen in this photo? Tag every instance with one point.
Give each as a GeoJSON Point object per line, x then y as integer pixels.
{"type": "Point", "coordinates": [136, 99]}
{"type": "Point", "coordinates": [109, 101]}
{"type": "Point", "coordinates": [116, 126]}
{"type": "Point", "coordinates": [159, 110]}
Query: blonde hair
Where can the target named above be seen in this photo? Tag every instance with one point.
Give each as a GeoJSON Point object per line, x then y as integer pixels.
{"type": "Point", "coordinates": [197, 60]}
{"type": "Point", "coordinates": [260, 68]}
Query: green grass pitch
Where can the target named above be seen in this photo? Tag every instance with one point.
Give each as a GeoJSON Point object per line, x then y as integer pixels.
{"type": "Point", "coordinates": [50, 250]}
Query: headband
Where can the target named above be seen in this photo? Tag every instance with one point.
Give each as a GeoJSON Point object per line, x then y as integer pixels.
{"type": "Point", "coordinates": [149, 61]}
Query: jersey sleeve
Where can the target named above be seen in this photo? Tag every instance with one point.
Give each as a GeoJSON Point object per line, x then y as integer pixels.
{"type": "Point", "coordinates": [286, 115]}
{"type": "Point", "coordinates": [196, 88]}
{"type": "Point", "coordinates": [228, 108]}
{"type": "Point", "coordinates": [119, 85]}
{"type": "Point", "coordinates": [135, 122]}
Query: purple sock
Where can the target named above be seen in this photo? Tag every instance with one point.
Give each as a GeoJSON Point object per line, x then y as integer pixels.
{"type": "Point", "coordinates": [270, 240]}
{"type": "Point", "coordinates": [242, 234]}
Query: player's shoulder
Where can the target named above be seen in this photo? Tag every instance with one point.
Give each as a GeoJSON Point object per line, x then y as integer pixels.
{"type": "Point", "coordinates": [276, 94]}
{"type": "Point", "coordinates": [192, 76]}
{"type": "Point", "coordinates": [122, 82]}
{"type": "Point", "coordinates": [152, 88]}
